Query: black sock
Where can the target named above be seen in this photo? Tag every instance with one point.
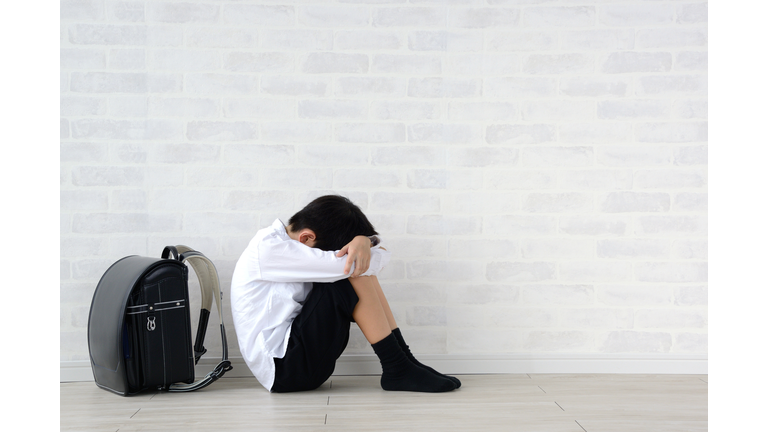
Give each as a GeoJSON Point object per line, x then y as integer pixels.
{"type": "Point", "coordinates": [398, 373]}
{"type": "Point", "coordinates": [407, 351]}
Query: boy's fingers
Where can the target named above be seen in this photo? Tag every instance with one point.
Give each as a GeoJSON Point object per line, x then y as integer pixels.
{"type": "Point", "coordinates": [343, 251]}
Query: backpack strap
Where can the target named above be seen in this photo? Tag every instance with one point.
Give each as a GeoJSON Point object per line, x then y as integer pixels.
{"type": "Point", "coordinates": [209, 290]}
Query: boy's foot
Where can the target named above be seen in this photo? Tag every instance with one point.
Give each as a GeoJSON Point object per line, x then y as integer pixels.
{"type": "Point", "coordinates": [407, 351]}
{"type": "Point", "coordinates": [399, 374]}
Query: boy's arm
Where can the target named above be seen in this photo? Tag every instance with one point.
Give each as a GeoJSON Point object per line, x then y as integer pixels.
{"type": "Point", "coordinates": [292, 261]}
{"type": "Point", "coordinates": [358, 253]}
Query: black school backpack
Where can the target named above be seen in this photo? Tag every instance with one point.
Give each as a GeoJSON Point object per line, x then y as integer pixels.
{"type": "Point", "coordinates": [139, 334]}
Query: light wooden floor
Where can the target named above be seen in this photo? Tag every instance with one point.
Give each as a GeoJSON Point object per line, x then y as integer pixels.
{"type": "Point", "coordinates": [551, 403]}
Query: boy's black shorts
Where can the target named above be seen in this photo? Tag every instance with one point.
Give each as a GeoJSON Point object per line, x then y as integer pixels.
{"type": "Point", "coordinates": [319, 335]}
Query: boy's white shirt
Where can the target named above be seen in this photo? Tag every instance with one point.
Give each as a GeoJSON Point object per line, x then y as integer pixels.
{"type": "Point", "coordinates": [271, 280]}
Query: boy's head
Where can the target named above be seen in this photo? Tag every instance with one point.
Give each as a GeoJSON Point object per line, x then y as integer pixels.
{"type": "Point", "coordinates": [334, 220]}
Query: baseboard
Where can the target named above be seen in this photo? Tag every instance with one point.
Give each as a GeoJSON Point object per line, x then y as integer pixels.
{"type": "Point", "coordinates": [368, 364]}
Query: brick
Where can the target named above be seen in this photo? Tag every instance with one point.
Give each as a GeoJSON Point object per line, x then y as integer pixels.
{"type": "Point", "coordinates": [633, 248]}
{"type": "Point", "coordinates": [128, 106]}
{"type": "Point", "coordinates": [672, 132]}
{"type": "Point", "coordinates": [409, 155]}
{"type": "Point", "coordinates": [330, 62]}
{"type": "Point", "coordinates": [483, 17]}
{"type": "Point", "coordinates": [558, 64]}
{"type": "Point", "coordinates": [520, 134]}
{"type": "Point", "coordinates": [593, 225]}
{"type": "Point", "coordinates": [111, 223]}
{"type": "Point", "coordinates": [295, 86]}
{"type": "Point", "coordinates": [224, 37]}
{"type": "Point", "coordinates": [259, 15]}
{"type": "Point", "coordinates": [409, 17]}
{"type": "Point", "coordinates": [594, 271]}
{"type": "Point", "coordinates": [184, 60]}
{"type": "Point", "coordinates": [183, 107]}
{"type": "Point", "coordinates": [444, 179]}
{"type": "Point", "coordinates": [182, 199]}
{"type": "Point", "coordinates": [690, 201]}
{"type": "Point", "coordinates": [83, 200]}
{"type": "Point", "coordinates": [368, 40]}
{"type": "Point", "coordinates": [648, 14]}
{"type": "Point", "coordinates": [222, 177]}
{"type": "Point", "coordinates": [185, 153]}
{"type": "Point", "coordinates": [222, 131]}
{"type": "Point", "coordinates": [633, 108]}
{"type": "Point", "coordinates": [557, 202]}
{"type": "Point", "coordinates": [604, 179]}
{"type": "Point", "coordinates": [690, 343]}
{"type": "Point", "coordinates": [692, 13]}
{"type": "Point", "coordinates": [81, 10]}
{"type": "Point", "coordinates": [333, 109]}
{"type": "Point", "coordinates": [520, 180]}
{"type": "Point", "coordinates": [126, 129]}
{"type": "Point", "coordinates": [632, 62]}
{"type": "Point", "coordinates": [127, 11]}
{"type": "Point", "coordinates": [558, 248]}
{"type": "Point", "coordinates": [83, 152]}
{"type": "Point", "coordinates": [127, 82]}
{"type": "Point", "coordinates": [221, 84]}
{"type": "Point", "coordinates": [443, 88]}
{"type": "Point", "coordinates": [595, 318]}
{"type": "Point", "coordinates": [482, 111]}
{"type": "Point", "coordinates": [521, 318]}
{"type": "Point", "coordinates": [481, 202]}
{"type": "Point", "coordinates": [63, 128]}
{"type": "Point", "coordinates": [426, 316]}
{"type": "Point", "coordinates": [690, 249]}
{"type": "Point", "coordinates": [366, 178]}
{"type": "Point", "coordinates": [519, 226]}
{"type": "Point", "coordinates": [443, 133]}
{"type": "Point", "coordinates": [370, 132]}
{"type": "Point", "coordinates": [634, 155]}
{"type": "Point", "coordinates": [559, 16]}
{"type": "Point", "coordinates": [636, 341]}
{"type": "Point", "coordinates": [443, 225]}
{"type": "Point", "coordinates": [558, 110]}
{"type": "Point", "coordinates": [691, 61]}
{"type": "Point", "coordinates": [672, 225]}
{"type": "Point", "coordinates": [522, 40]}
{"type": "Point", "coordinates": [410, 247]}
{"type": "Point", "coordinates": [483, 248]}
{"type": "Point", "coordinates": [519, 87]}
{"type": "Point", "coordinates": [623, 202]}
{"type": "Point", "coordinates": [334, 16]}
{"type": "Point", "coordinates": [442, 270]}
{"type": "Point", "coordinates": [594, 86]}
{"type": "Point", "coordinates": [669, 318]}
{"type": "Point", "coordinates": [127, 59]}
{"type": "Point", "coordinates": [670, 85]}
{"type": "Point", "coordinates": [337, 155]}
{"type": "Point", "coordinates": [405, 110]}
{"type": "Point", "coordinates": [136, 152]}
{"type": "Point", "coordinates": [259, 201]}
{"type": "Point", "coordinates": [182, 12]}
{"type": "Point", "coordinates": [83, 246]}
{"type": "Point", "coordinates": [263, 108]}
{"type": "Point", "coordinates": [208, 223]}
{"type": "Point", "coordinates": [520, 271]}
{"type": "Point", "coordinates": [406, 64]}
{"type": "Point", "coordinates": [300, 132]}
{"type": "Point", "coordinates": [633, 295]}
{"type": "Point", "coordinates": [370, 86]}
{"type": "Point", "coordinates": [482, 156]}
{"type": "Point", "coordinates": [670, 179]}
{"type": "Point", "coordinates": [598, 40]}
{"type": "Point", "coordinates": [102, 34]}
{"type": "Point", "coordinates": [482, 65]}
{"type": "Point", "coordinates": [405, 202]}
{"type": "Point", "coordinates": [568, 341]}
{"type": "Point", "coordinates": [690, 109]}
{"type": "Point", "coordinates": [259, 62]}
{"type": "Point", "coordinates": [691, 295]}
{"type": "Point", "coordinates": [671, 37]}
{"type": "Point", "coordinates": [444, 41]}
{"type": "Point", "coordinates": [484, 294]}
{"type": "Point", "coordinates": [80, 58]}
{"type": "Point", "coordinates": [297, 40]}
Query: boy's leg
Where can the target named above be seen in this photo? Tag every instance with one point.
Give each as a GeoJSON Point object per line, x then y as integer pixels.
{"type": "Point", "coordinates": [398, 372]}
{"type": "Point", "coordinates": [399, 335]}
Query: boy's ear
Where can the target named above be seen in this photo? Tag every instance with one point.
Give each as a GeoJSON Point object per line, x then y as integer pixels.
{"type": "Point", "coordinates": [307, 236]}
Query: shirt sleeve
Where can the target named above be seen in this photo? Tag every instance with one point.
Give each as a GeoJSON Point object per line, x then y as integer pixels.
{"type": "Point", "coordinates": [291, 261]}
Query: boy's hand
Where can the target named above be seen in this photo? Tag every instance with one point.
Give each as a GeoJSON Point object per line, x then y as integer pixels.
{"type": "Point", "coordinates": [358, 251]}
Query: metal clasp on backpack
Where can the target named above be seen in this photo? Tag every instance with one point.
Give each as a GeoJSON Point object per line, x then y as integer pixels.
{"type": "Point", "coordinates": [150, 323]}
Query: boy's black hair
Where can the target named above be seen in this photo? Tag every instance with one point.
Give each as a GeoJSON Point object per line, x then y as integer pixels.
{"type": "Point", "coordinates": [335, 221]}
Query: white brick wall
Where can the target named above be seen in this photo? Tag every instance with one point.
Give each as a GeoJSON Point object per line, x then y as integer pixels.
{"type": "Point", "coordinates": [538, 168]}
